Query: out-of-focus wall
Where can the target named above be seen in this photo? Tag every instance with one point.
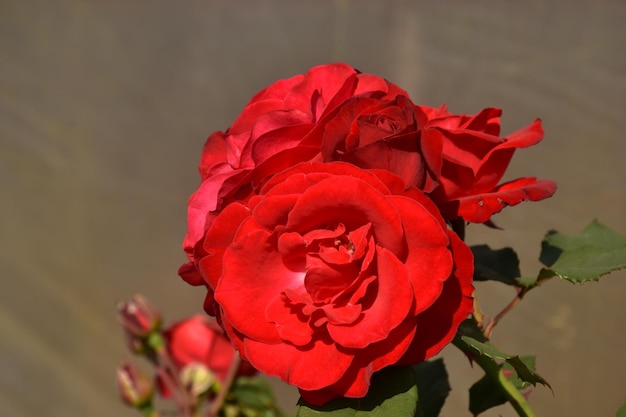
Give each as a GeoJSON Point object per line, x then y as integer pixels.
{"type": "Point", "coordinates": [104, 107]}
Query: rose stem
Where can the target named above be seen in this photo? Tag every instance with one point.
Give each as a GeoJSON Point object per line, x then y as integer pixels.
{"type": "Point", "coordinates": [521, 292]}
{"type": "Point", "coordinates": [149, 411]}
{"type": "Point", "coordinates": [230, 378]}
{"type": "Point", "coordinates": [183, 399]}
{"type": "Point", "coordinates": [513, 395]}
{"type": "Point", "coordinates": [478, 314]}
{"type": "Point", "coordinates": [494, 321]}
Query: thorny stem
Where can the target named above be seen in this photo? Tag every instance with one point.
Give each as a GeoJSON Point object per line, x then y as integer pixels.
{"type": "Point", "coordinates": [217, 403]}
{"type": "Point", "coordinates": [513, 395]}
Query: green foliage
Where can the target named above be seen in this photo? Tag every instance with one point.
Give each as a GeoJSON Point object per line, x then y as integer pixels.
{"type": "Point", "coordinates": [471, 340]}
{"type": "Point", "coordinates": [495, 264]}
{"type": "Point", "coordinates": [393, 392]}
{"type": "Point", "coordinates": [622, 411]}
{"type": "Point", "coordinates": [596, 251]}
{"type": "Point", "coordinates": [432, 386]}
{"type": "Point", "coordinates": [487, 393]}
{"type": "Point", "coordinates": [251, 397]}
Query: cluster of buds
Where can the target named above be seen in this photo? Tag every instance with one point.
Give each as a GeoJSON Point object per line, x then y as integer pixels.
{"type": "Point", "coordinates": [194, 362]}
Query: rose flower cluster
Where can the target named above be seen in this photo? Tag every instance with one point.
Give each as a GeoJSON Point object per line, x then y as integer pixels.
{"type": "Point", "coordinates": [321, 229]}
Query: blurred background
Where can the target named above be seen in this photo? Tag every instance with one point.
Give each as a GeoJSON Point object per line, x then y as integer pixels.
{"type": "Point", "coordinates": [105, 105]}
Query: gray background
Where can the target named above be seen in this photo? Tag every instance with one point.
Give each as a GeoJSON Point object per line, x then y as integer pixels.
{"type": "Point", "coordinates": [104, 107]}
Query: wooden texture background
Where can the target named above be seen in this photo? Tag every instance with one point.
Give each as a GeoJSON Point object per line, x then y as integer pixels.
{"type": "Point", "coordinates": [104, 107]}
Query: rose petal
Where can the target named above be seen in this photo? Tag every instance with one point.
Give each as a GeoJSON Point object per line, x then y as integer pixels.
{"type": "Point", "coordinates": [320, 171]}
{"type": "Point", "coordinates": [390, 305]}
{"type": "Point", "coordinates": [370, 82]}
{"type": "Point", "coordinates": [217, 239]}
{"type": "Point", "coordinates": [337, 129]}
{"type": "Point", "coordinates": [305, 367]}
{"type": "Point", "coordinates": [495, 163]}
{"type": "Point", "coordinates": [253, 276]}
{"type": "Point", "coordinates": [279, 139]}
{"type": "Point", "coordinates": [354, 203]}
{"type": "Point", "coordinates": [355, 382]}
{"type": "Point", "coordinates": [324, 280]}
{"type": "Point", "coordinates": [190, 274]}
{"type": "Point", "coordinates": [274, 210]}
{"type": "Point", "coordinates": [399, 156]}
{"type": "Point", "coordinates": [429, 261]}
{"type": "Point", "coordinates": [480, 208]}
{"type": "Point", "coordinates": [437, 325]}
{"type": "Point", "coordinates": [292, 325]}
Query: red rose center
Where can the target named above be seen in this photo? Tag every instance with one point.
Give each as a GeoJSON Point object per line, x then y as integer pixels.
{"type": "Point", "coordinates": [339, 274]}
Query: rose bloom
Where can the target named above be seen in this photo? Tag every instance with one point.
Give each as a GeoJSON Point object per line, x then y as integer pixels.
{"type": "Point", "coordinates": [331, 272]}
{"type": "Point", "coordinates": [200, 340]}
{"type": "Point", "coordinates": [474, 159]}
{"type": "Point", "coordinates": [277, 118]}
{"type": "Point", "coordinates": [279, 115]}
{"type": "Point", "coordinates": [335, 113]}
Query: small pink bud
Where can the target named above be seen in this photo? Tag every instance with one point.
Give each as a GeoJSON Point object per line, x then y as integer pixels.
{"type": "Point", "coordinates": [138, 317]}
{"type": "Point", "coordinates": [135, 388]}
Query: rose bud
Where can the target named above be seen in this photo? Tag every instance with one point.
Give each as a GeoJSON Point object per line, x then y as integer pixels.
{"type": "Point", "coordinates": [199, 343]}
{"type": "Point", "coordinates": [200, 339]}
{"type": "Point", "coordinates": [138, 317]}
{"type": "Point", "coordinates": [135, 388]}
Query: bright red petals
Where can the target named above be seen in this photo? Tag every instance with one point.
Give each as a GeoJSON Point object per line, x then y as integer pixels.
{"type": "Point", "coordinates": [479, 208]}
{"type": "Point", "coordinates": [328, 266]}
{"type": "Point", "coordinates": [312, 367]}
{"type": "Point", "coordinates": [270, 136]}
{"type": "Point", "coordinates": [321, 226]}
{"type": "Point", "coordinates": [474, 161]}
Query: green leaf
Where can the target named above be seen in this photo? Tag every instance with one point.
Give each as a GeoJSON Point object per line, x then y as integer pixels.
{"type": "Point", "coordinates": [253, 392]}
{"type": "Point", "coordinates": [487, 393]}
{"type": "Point", "coordinates": [432, 387]}
{"type": "Point", "coordinates": [495, 264]}
{"type": "Point", "coordinates": [251, 397]}
{"type": "Point", "coordinates": [471, 339]}
{"type": "Point", "coordinates": [622, 411]}
{"type": "Point", "coordinates": [393, 392]}
{"type": "Point", "coordinates": [596, 251]}
{"type": "Point", "coordinates": [528, 282]}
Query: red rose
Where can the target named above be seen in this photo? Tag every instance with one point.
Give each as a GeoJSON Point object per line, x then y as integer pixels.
{"type": "Point", "coordinates": [331, 273]}
{"type": "Point", "coordinates": [277, 118]}
{"type": "Point", "coordinates": [381, 134]}
{"type": "Point", "coordinates": [200, 340]}
{"type": "Point", "coordinates": [474, 160]}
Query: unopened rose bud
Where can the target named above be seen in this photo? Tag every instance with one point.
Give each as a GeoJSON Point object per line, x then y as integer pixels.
{"type": "Point", "coordinates": [135, 388]}
{"type": "Point", "coordinates": [197, 378]}
{"type": "Point", "coordinates": [138, 317]}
